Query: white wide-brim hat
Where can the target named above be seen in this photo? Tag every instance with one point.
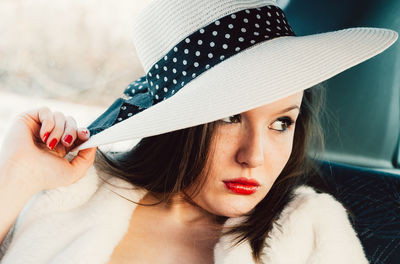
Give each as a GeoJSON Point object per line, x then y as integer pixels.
{"type": "Point", "coordinates": [209, 59]}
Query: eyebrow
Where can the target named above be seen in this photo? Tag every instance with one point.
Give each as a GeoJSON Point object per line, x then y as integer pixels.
{"type": "Point", "coordinates": [289, 109]}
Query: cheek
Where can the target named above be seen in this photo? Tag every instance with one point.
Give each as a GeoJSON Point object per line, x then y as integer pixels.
{"type": "Point", "coordinates": [277, 152]}
{"type": "Point", "coordinates": [278, 155]}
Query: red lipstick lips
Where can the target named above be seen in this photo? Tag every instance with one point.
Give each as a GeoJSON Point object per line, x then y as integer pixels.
{"type": "Point", "coordinates": [242, 185]}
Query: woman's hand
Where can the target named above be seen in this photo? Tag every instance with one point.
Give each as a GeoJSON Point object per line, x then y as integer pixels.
{"type": "Point", "coordinates": [35, 147]}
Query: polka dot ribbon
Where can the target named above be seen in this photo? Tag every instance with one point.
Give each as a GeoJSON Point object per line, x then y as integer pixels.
{"type": "Point", "coordinates": [201, 51]}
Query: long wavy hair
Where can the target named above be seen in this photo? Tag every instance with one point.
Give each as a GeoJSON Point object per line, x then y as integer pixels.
{"type": "Point", "coordinates": [169, 163]}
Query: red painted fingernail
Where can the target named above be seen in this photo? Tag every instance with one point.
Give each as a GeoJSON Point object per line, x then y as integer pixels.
{"type": "Point", "coordinates": [46, 135]}
{"type": "Point", "coordinates": [53, 143]}
{"type": "Point", "coordinates": [68, 139]}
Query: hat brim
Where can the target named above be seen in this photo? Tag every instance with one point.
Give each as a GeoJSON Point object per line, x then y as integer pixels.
{"type": "Point", "coordinates": [257, 76]}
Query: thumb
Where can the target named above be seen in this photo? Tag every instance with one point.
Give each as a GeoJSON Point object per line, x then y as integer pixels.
{"type": "Point", "coordinates": [82, 161]}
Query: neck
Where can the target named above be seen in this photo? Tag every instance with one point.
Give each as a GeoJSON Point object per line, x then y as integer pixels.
{"type": "Point", "coordinates": [182, 212]}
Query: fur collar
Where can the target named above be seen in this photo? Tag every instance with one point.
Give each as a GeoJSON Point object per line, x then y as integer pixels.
{"type": "Point", "coordinates": [83, 223]}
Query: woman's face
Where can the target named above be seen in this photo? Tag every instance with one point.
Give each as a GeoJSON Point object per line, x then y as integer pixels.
{"type": "Point", "coordinates": [254, 145]}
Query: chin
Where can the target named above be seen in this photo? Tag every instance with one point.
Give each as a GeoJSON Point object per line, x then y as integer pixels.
{"type": "Point", "coordinates": [234, 208]}
{"type": "Point", "coordinates": [234, 215]}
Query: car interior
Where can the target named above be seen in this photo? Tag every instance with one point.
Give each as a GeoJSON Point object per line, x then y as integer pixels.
{"type": "Point", "coordinates": [361, 162]}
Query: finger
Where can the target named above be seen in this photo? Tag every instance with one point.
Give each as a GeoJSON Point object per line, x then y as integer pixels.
{"type": "Point", "coordinates": [69, 135]}
{"type": "Point", "coordinates": [83, 135]}
{"type": "Point", "coordinates": [82, 162]}
{"type": "Point", "coordinates": [58, 130]}
{"type": "Point", "coordinates": [46, 118]}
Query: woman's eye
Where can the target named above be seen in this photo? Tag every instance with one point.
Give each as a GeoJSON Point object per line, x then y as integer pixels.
{"type": "Point", "coordinates": [231, 119]}
{"type": "Point", "coordinates": [282, 124]}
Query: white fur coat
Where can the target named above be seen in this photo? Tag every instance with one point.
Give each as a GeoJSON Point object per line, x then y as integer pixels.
{"type": "Point", "coordinates": [84, 222]}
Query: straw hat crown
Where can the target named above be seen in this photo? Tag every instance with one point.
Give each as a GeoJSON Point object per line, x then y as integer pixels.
{"type": "Point", "coordinates": [164, 23]}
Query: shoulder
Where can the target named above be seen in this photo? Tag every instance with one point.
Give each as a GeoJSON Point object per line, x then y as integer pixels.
{"type": "Point", "coordinates": [89, 209]}
{"type": "Point", "coordinates": [315, 228]}
{"type": "Point", "coordinates": [51, 201]}
{"type": "Point", "coordinates": [316, 206]}
{"type": "Point", "coordinates": [314, 210]}
{"type": "Point", "coordinates": [309, 212]}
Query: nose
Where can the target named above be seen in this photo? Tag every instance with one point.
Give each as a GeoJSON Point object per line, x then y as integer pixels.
{"type": "Point", "coordinates": [251, 152]}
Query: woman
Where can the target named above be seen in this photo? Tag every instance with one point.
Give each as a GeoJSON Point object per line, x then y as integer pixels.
{"type": "Point", "coordinates": [226, 120]}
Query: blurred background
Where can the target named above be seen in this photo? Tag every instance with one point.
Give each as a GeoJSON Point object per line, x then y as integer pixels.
{"type": "Point", "coordinates": [77, 56]}
{"type": "Point", "coordinates": [73, 50]}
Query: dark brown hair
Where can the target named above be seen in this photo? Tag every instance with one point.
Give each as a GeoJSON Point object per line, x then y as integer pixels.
{"type": "Point", "coordinates": [169, 163]}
